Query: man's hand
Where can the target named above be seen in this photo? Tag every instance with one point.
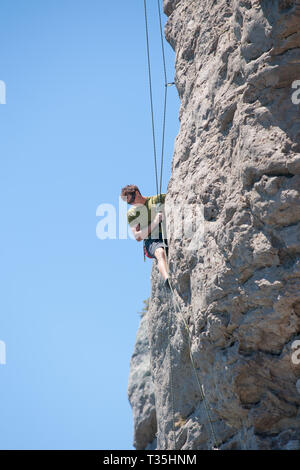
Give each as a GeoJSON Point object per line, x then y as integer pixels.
{"type": "Point", "coordinates": [158, 218]}
{"type": "Point", "coordinates": [139, 234]}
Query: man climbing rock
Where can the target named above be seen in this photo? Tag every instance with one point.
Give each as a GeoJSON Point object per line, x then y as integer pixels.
{"type": "Point", "coordinates": [145, 223]}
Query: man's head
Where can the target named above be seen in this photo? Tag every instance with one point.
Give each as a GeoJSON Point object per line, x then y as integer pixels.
{"type": "Point", "coordinates": [129, 192]}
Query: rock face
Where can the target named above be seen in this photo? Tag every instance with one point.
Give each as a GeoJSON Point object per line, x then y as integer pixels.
{"type": "Point", "coordinates": [237, 156]}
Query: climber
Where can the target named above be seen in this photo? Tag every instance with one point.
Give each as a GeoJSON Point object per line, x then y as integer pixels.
{"type": "Point", "coordinates": [145, 219]}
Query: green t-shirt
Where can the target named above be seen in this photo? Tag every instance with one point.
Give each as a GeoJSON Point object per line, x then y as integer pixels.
{"type": "Point", "coordinates": [145, 214]}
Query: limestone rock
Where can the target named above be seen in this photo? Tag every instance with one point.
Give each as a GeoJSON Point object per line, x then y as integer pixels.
{"type": "Point", "coordinates": [237, 156]}
{"type": "Point", "coordinates": [141, 392]}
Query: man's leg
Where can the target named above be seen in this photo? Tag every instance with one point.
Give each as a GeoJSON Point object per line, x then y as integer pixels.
{"type": "Point", "coordinates": [162, 262]}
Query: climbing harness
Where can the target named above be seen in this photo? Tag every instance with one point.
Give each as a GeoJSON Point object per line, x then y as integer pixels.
{"type": "Point", "coordinates": [146, 253]}
{"type": "Point", "coordinates": [158, 191]}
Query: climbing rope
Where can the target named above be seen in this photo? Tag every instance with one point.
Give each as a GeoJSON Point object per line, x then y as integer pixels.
{"type": "Point", "coordinates": [165, 96]}
{"type": "Point", "coordinates": [166, 85]}
{"type": "Point", "coordinates": [151, 94]}
{"type": "Point", "coordinates": [158, 188]}
{"type": "Point", "coordinates": [171, 379]}
{"type": "Point", "coordinates": [200, 386]}
{"type": "Point", "coordinates": [175, 303]}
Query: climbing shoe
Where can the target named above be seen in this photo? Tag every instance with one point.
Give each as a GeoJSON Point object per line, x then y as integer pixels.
{"type": "Point", "coordinates": [167, 284]}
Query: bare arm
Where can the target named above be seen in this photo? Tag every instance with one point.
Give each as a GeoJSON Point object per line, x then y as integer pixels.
{"type": "Point", "coordinates": [139, 234]}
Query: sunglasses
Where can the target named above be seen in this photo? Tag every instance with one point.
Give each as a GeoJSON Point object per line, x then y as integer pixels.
{"type": "Point", "coordinates": [132, 198]}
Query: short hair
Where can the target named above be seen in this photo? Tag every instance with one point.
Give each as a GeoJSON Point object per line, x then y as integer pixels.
{"type": "Point", "coordinates": [129, 190]}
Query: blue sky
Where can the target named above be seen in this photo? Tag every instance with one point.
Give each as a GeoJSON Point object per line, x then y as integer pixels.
{"type": "Point", "coordinates": [74, 130]}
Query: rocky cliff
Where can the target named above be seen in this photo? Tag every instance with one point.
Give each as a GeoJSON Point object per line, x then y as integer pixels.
{"type": "Point", "coordinates": [237, 156]}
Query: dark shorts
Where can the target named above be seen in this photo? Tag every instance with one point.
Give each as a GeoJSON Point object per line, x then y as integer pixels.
{"type": "Point", "coordinates": [150, 245]}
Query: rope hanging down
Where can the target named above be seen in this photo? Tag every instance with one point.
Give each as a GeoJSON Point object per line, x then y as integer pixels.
{"type": "Point", "coordinates": [200, 386]}
{"type": "Point", "coordinates": [158, 188]}
{"type": "Point", "coordinates": [167, 84]}
{"type": "Point", "coordinates": [158, 191]}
